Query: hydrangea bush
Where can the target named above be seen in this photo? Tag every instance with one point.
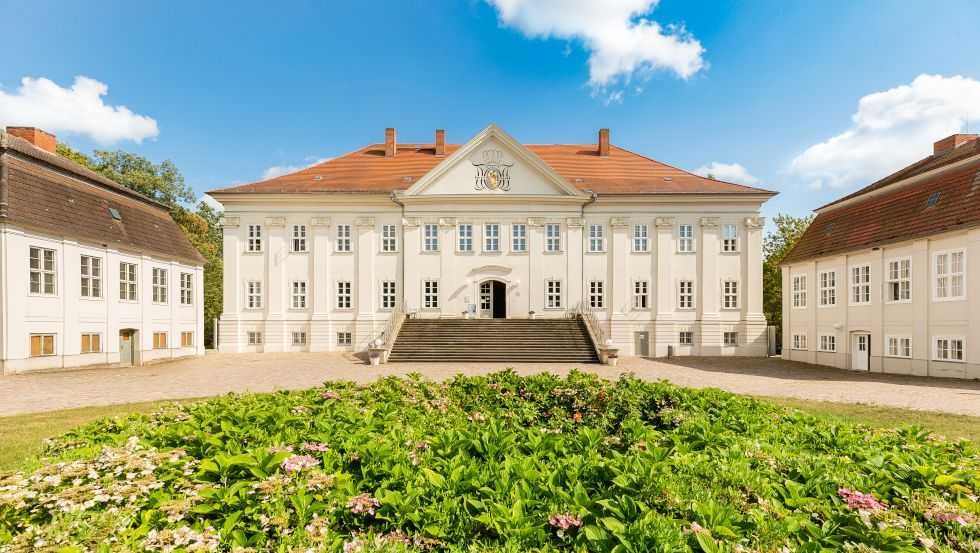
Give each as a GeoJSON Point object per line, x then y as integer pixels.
{"type": "Point", "coordinates": [497, 463]}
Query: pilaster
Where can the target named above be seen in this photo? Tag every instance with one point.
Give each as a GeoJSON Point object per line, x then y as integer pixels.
{"type": "Point", "coordinates": [619, 251]}
{"type": "Point", "coordinates": [364, 258]}
{"type": "Point", "coordinates": [709, 287]}
{"type": "Point", "coordinates": [320, 269]}
{"type": "Point", "coordinates": [663, 286]}
{"type": "Point", "coordinates": [447, 252]}
{"type": "Point", "coordinates": [752, 257]}
{"type": "Point", "coordinates": [230, 326]}
{"type": "Point", "coordinates": [535, 269]}
{"type": "Point", "coordinates": [274, 287]}
{"type": "Point", "coordinates": [411, 248]}
{"type": "Point", "coordinates": [574, 248]}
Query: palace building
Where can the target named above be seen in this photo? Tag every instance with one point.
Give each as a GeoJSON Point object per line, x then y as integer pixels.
{"type": "Point", "coordinates": [653, 256]}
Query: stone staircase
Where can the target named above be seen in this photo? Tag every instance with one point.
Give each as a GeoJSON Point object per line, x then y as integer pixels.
{"type": "Point", "coordinates": [498, 340]}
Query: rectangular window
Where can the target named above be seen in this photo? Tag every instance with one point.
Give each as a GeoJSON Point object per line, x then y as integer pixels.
{"type": "Point", "coordinates": [186, 289]}
{"type": "Point", "coordinates": [91, 343]}
{"type": "Point", "coordinates": [299, 337]}
{"type": "Point", "coordinates": [641, 238]}
{"type": "Point", "coordinates": [552, 237]}
{"type": "Point", "coordinates": [253, 294]}
{"type": "Point", "coordinates": [159, 340]}
{"type": "Point", "coordinates": [596, 294]}
{"type": "Point", "coordinates": [898, 346]}
{"type": "Point", "coordinates": [828, 342]}
{"type": "Point", "coordinates": [685, 338]}
{"type": "Point", "coordinates": [828, 288]}
{"type": "Point", "coordinates": [91, 273]}
{"type": "Point", "coordinates": [254, 243]}
{"type": "Point", "coordinates": [389, 238]}
{"type": "Point", "coordinates": [552, 294]}
{"type": "Point", "coordinates": [387, 294]}
{"type": "Point", "coordinates": [344, 294]}
{"type": "Point", "coordinates": [299, 238]}
{"type": "Point", "coordinates": [799, 341]}
{"type": "Point", "coordinates": [344, 339]}
{"type": "Point", "coordinates": [160, 285]}
{"type": "Point", "coordinates": [900, 280]}
{"type": "Point", "coordinates": [518, 235]}
{"type": "Point", "coordinates": [42, 344]}
{"type": "Point", "coordinates": [685, 238]}
{"type": "Point", "coordinates": [254, 338]}
{"type": "Point", "coordinates": [731, 338]}
{"type": "Point", "coordinates": [464, 237]}
{"type": "Point", "coordinates": [861, 284]}
{"type": "Point", "coordinates": [43, 274]}
{"type": "Point", "coordinates": [950, 271]}
{"type": "Point", "coordinates": [729, 238]}
{"type": "Point", "coordinates": [430, 237]}
{"type": "Point", "coordinates": [685, 295]}
{"type": "Point", "coordinates": [186, 339]}
{"type": "Point", "coordinates": [641, 294]}
{"type": "Point", "coordinates": [344, 242]}
{"type": "Point", "coordinates": [948, 348]}
{"type": "Point", "coordinates": [799, 291]}
{"type": "Point", "coordinates": [127, 282]}
{"type": "Point", "coordinates": [491, 237]}
{"type": "Point", "coordinates": [298, 296]}
{"type": "Point", "coordinates": [729, 294]}
{"type": "Point", "coordinates": [430, 294]}
{"type": "Point", "coordinates": [596, 239]}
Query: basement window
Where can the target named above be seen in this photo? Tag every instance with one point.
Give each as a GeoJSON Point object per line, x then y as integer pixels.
{"type": "Point", "coordinates": [114, 213]}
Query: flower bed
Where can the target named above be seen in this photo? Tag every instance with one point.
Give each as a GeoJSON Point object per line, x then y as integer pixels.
{"type": "Point", "coordinates": [496, 463]}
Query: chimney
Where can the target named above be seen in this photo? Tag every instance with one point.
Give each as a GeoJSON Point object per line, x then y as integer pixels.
{"type": "Point", "coordinates": [603, 142]}
{"type": "Point", "coordinates": [390, 142]}
{"type": "Point", "coordinates": [40, 139]}
{"type": "Point", "coordinates": [440, 142]}
{"type": "Point", "coordinates": [951, 143]}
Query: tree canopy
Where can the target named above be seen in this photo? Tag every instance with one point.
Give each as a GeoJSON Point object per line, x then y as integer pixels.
{"type": "Point", "coordinates": [775, 246]}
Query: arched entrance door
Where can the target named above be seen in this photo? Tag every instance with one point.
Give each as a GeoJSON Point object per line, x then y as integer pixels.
{"type": "Point", "coordinates": [493, 299]}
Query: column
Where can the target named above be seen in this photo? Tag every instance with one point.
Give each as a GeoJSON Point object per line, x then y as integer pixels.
{"type": "Point", "coordinates": [274, 288]}
{"type": "Point", "coordinates": [755, 337]}
{"type": "Point", "coordinates": [573, 248]}
{"type": "Point", "coordinates": [231, 287]}
{"type": "Point", "coordinates": [411, 247]}
{"type": "Point", "coordinates": [319, 282]}
{"type": "Point", "coordinates": [664, 286]}
{"type": "Point", "coordinates": [535, 259]}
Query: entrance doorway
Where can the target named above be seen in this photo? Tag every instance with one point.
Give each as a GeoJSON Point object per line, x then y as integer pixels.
{"type": "Point", "coordinates": [861, 352]}
{"type": "Point", "coordinates": [641, 344]}
{"type": "Point", "coordinates": [493, 299]}
{"type": "Point", "coordinates": [127, 347]}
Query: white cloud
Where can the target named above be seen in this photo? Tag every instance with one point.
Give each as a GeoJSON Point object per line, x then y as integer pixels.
{"type": "Point", "coordinates": [730, 172]}
{"type": "Point", "coordinates": [280, 170]}
{"type": "Point", "coordinates": [211, 202]}
{"type": "Point", "coordinates": [890, 129]}
{"type": "Point", "coordinates": [80, 109]}
{"type": "Point", "coordinates": [622, 40]}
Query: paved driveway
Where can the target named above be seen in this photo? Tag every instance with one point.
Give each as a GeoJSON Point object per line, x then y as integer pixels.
{"type": "Point", "coordinates": [221, 372]}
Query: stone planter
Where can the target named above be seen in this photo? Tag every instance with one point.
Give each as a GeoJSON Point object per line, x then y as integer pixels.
{"type": "Point", "coordinates": [376, 355]}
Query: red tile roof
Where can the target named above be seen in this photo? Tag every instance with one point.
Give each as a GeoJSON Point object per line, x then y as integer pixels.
{"type": "Point", "coordinates": [621, 172]}
{"type": "Point", "coordinates": [877, 215]}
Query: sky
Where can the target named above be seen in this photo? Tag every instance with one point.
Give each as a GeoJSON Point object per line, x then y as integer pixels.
{"type": "Point", "coordinates": [811, 99]}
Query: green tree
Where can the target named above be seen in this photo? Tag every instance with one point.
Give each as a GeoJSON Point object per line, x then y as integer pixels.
{"type": "Point", "coordinates": [165, 183]}
{"type": "Point", "coordinates": [775, 246]}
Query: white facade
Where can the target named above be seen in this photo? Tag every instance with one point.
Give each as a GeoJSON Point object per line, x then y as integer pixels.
{"type": "Point", "coordinates": [288, 265]}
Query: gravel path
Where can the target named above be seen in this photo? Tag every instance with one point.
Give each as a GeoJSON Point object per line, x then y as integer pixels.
{"type": "Point", "coordinates": [220, 373]}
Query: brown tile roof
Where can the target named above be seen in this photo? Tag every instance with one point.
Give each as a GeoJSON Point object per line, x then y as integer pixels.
{"type": "Point", "coordinates": [903, 213]}
{"type": "Point", "coordinates": [52, 195]}
{"type": "Point", "coordinates": [368, 170]}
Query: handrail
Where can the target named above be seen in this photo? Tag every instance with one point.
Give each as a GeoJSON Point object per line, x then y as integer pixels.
{"type": "Point", "coordinates": [593, 325]}
{"type": "Point", "coordinates": [391, 329]}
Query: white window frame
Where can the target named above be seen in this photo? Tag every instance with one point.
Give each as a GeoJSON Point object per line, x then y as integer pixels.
{"type": "Point", "coordinates": [464, 238]}
{"type": "Point", "coordinates": [827, 343]}
{"type": "Point", "coordinates": [860, 285]}
{"type": "Point", "coordinates": [186, 288]}
{"type": "Point", "coordinates": [641, 238]}
{"type": "Point", "coordinates": [41, 337]}
{"type": "Point", "coordinates": [44, 274]}
{"type": "Point", "coordinates": [491, 237]}
{"type": "Point", "coordinates": [161, 285]}
{"type": "Point", "coordinates": [344, 242]}
{"type": "Point", "coordinates": [389, 295]}
{"type": "Point", "coordinates": [98, 338]}
{"type": "Point", "coordinates": [729, 294]}
{"type": "Point", "coordinates": [946, 354]}
{"type": "Point", "coordinates": [798, 288]}
{"type": "Point", "coordinates": [597, 294]}
{"type": "Point", "coordinates": [798, 342]}
{"type": "Point", "coordinates": [253, 337]}
{"type": "Point", "coordinates": [729, 238]}
{"type": "Point", "coordinates": [430, 294]}
{"type": "Point", "coordinates": [253, 294]}
{"type": "Point", "coordinates": [685, 294]}
{"type": "Point", "coordinates": [345, 338]}
{"type": "Point", "coordinates": [944, 281]}
{"type": "Point", "coordinates": [389, 238]}
{"type": "Point", "coordinates": [430, 237]}
{"type": "Point", "coordinates": [685, 338]}
{"type": "Point", "coordinates": [553, 294]}
{"type": "Point", "coordinates": [552, 237]}
{"type": "Point", "coordinates": [641, 294]}
{"type": "Point", "coordinates": [518, 237]}
{"type": "Point", "coordinates": [898, 280]}
{"type": "Point", "coordinates": [345, 295]}
{"type": "Point", "coordinates": [827, 284]}
{"type": "Point", "coordinates": [685, 239]}
{"type": "Point", "coordinates": [297, 296]}
{"type": "Point", "coordinates": [253, 242]}
{"type": "Point", "coordinates": [730, 338]}
{"type": "Point", "coordinates": [128, 281]}
{"type": "Point", "coordinates": [90, 271]}
{"type": "Point", "coordinates": [902, 343]}
{"type": "Point", "coordinates": [299, 241]}
{"type": "Point", "coordinates": [597, 238]}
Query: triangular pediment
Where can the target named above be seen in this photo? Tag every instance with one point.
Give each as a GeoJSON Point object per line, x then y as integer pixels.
{"type": "Point", "coordinates": [492, 163]}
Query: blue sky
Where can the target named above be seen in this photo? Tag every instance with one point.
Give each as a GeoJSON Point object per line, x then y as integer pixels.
{"type": "Point", "coordinates": [230, 92]}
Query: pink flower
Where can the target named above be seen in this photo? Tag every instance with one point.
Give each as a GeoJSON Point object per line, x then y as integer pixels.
{"type": "Point", "coordinates": [281, 449]}
{"type": "Point", "coordinates": [564, 521]}
{"type": "Point", "coordinates": [315, 446]}
{"type": "Point", "coordinates": [329, 394]}
{"type": "Point", "coordinates": [860, 501]}
{"type": "Point", "coordinates": [296, 463]}
{"type": "Point", "coordinates": [363, 504]}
